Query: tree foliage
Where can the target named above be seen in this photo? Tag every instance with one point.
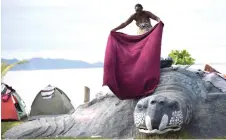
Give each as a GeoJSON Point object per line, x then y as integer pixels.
{"type": "Point", "coordinates": [182, 57]}
{"type": "Point", "coordinates": [6, 67]}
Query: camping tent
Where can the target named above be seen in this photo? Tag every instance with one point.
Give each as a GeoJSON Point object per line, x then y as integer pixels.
{"type": "Point", "coordinates": [51, 101]}
{"type": "Point", "coordinates": [12, 106]}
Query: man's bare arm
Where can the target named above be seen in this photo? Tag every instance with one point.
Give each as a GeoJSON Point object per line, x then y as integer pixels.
{"type": "Point", "coordinates": [152, 16]}
{"type": "Point", "coordinates": [123, 25]}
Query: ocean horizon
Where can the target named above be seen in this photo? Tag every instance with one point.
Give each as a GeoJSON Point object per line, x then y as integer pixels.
{"type": "Point", "coordinates": [28, 83]}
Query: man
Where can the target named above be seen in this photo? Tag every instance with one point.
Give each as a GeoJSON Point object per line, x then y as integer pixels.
{"type": "Point", "coordinates": [142, 19]}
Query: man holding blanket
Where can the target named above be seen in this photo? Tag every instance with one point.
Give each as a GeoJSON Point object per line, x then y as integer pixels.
{"type": "Point", "coordinates": [142, 19]}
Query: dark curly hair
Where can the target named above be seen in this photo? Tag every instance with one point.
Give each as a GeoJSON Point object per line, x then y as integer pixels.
{"type": "Point", "coordinates": [138, 5]}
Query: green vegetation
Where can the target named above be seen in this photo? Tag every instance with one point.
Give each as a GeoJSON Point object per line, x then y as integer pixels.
{"type": "Point", "coordinates": [182, 57]}
{"type": "Point", "coordinates": [7, 125]}
{"type": "Point", "coordinates": [173, 135]}
{"type": "Point", "coordinates": [6, 67]}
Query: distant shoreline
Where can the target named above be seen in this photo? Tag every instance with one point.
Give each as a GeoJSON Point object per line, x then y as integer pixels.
{"type": "Point", "coordinates": [51, 64]}
{"type": "Point", "coordinates": [210, 64]}
{"type": "Point", "coordinates": [49, 69]}
{"type": "Point", "coordinates": [59, 64]}
{"type": "Point", "coordinates": [54, 69]}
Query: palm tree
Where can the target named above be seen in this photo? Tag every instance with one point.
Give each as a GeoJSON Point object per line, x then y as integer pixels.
{"type": "Point", "coordinates": [181, 57]}
{"type": "Point", "coordinates": [6, 67]}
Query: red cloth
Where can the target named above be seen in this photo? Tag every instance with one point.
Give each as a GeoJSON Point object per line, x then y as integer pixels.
{"type": "Point", "coordinates": [132, 63]}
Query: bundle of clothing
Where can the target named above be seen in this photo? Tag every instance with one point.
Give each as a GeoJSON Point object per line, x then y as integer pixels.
{"type": "Point", "coordinates": [215, 77]}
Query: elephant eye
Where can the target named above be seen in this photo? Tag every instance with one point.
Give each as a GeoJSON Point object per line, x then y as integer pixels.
{"type": "Point", "coordinates": [153, 102]}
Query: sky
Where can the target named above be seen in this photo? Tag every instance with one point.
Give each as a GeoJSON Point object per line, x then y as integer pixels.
{"type": "Point", "coordinates": [78, 29]}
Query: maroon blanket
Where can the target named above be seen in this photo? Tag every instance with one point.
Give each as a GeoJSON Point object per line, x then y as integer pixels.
{"type": "Point", "coordinates": [132, 63]}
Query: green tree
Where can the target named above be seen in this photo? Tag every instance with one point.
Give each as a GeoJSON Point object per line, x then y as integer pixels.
{"type": "Point", "coordinates": [182, 57]}
{"type": "Point", "coordinates": [6, 67]}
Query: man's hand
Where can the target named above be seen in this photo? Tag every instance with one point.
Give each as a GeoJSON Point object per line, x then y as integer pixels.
{"type": "Point", "coordinates": [158, 19]}
{"type": "Point", "coordinates": [113, 30]}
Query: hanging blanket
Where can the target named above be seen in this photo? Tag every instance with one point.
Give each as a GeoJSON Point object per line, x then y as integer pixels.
{"type": "Point", "coordinates": [132, 63]}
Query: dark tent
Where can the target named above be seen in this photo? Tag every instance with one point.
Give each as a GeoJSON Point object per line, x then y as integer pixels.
{"type": "Point", "coordinates": [51, 101]}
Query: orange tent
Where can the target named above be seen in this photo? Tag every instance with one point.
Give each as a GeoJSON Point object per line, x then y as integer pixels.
{"type": "Point", "coordinates": [8, 109]}
{"type": "Point", "coordinates": [12, 106]}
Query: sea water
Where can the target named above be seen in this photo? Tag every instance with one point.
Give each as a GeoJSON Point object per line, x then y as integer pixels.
{"type": "Point", "coordinates": [71, 81]}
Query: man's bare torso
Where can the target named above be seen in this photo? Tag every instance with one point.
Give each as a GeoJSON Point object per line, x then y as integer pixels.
{"type": "Point", "coordinates": [142, 18]}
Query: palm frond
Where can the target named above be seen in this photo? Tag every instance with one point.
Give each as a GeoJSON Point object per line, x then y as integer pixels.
{"type": "Point", "coordinates": [6, 67]}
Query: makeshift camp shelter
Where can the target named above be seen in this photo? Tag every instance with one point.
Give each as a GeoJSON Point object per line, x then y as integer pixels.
{"type": "Point", "coordinates": [51, 101]}
{"type": "Point", "coordinates": [12, 106]}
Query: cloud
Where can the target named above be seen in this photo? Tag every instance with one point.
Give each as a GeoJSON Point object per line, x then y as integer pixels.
{"type": "Point", "coordinates": [40, 28]}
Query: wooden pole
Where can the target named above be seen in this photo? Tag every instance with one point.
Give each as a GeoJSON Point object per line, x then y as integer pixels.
{"type": "Point", "coordinates": [86, 94]}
